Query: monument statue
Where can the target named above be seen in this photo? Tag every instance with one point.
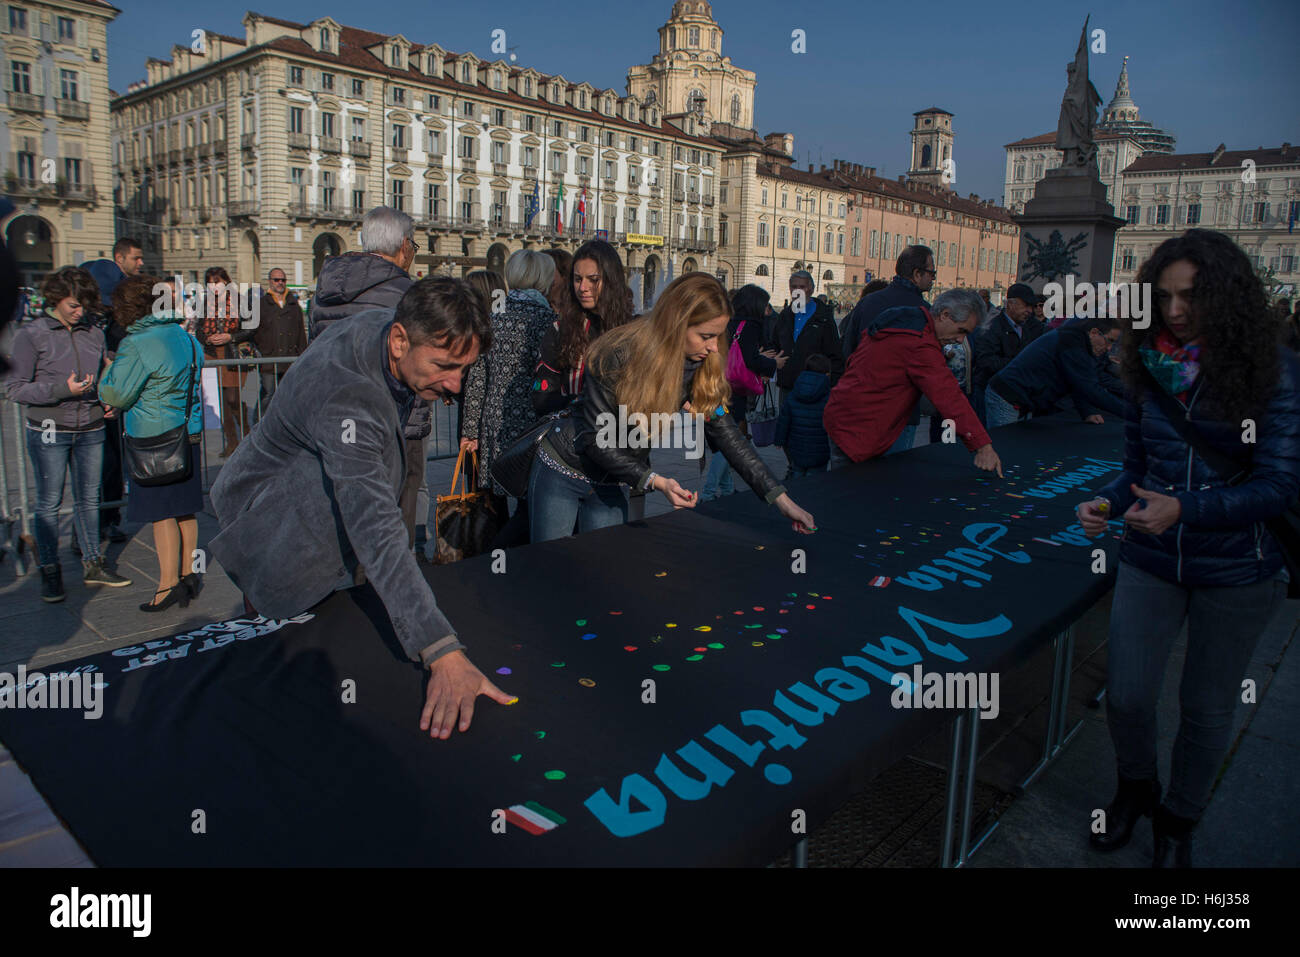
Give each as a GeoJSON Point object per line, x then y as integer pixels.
{"type": "Point", "coordinates": [1078, 111]}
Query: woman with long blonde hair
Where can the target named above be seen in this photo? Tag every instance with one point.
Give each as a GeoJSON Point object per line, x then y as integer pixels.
{"type": "Point", "coordinates": [638, 375]}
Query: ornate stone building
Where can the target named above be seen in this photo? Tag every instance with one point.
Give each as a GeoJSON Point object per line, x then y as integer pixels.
{"type": "Point", "coordinates": [931, 146]}
{"type": "Point", "coordinates": [267, 150]}
{"type": "Point", "coordinates": [54, 132]}
{"type": "Point", "coordinates": [689, 74]}
{"type": "Point", "coordinates": [1121, 117]}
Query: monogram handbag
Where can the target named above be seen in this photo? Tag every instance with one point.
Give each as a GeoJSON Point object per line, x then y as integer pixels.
{"type": "Point", "coordinates": [466, 521]}
{"type": "Point", "coordinates": [164, 459]}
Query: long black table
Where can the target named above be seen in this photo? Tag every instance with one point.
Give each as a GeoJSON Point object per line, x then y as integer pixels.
{"type": "Point", "coordinates": [688, 685]}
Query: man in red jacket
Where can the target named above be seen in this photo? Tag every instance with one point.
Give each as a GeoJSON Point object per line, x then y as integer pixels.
{"type": "Point", "coordinates": [899, 358]}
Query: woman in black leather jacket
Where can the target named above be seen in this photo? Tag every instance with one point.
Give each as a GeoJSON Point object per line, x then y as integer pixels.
{"type": "Point", "coordinates": [665, 363]}
{"type": "Point", "coordinates": [1196, 549]}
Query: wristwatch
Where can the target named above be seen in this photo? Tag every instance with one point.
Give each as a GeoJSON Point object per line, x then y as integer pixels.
{"type": "Point", "coordinates": [650, 480]}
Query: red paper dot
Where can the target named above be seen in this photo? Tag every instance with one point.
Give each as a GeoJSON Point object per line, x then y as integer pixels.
{"type": "Point", "coordinates": [629, 647]}
{"type": "Point", "coordinates": [616, 613]}
{"type": "Point", "coordinates": [737, 612]}
{"type": "Point", "coordinates": [784, 611]}
{"type": "Point", "coordinates": [701, 649]}
{"type": "Point", "coordinates": [758, 608]}
{"type": "Point", "coordinates": [810, 607]}
{"type": "Point", "coordinates": [826, 597]}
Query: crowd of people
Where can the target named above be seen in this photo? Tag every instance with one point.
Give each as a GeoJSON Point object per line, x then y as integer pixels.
{"type": "Point", "coordinates": [328, 488]}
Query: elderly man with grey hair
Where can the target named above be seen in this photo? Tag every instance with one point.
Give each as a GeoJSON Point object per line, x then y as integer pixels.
{"type": "Point", "coordinates": [377, 279]}
{"type": "Point", "coordinates": [900, 359]}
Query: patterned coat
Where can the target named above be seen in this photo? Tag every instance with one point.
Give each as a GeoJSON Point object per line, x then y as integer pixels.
{"type": "Point", "coordinates": [498, 393]}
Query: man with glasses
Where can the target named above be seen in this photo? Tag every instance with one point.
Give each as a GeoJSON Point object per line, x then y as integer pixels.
{"type": "Point", "coordinates": [377, 279]}
{"type": "Point", "coordinates": [281, 332]}
{"type": "Point", "coordinates": [914, 274]}
{"type": "Point", "coordinates": [1010, 330]}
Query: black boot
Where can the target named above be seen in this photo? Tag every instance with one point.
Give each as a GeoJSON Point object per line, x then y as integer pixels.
{"type": "Point", "coordinates": [1173, 839]}
{"type": "Point", "coordinates": [51, 583]}
{"type": "Point", "coordinates": [1133, 800]}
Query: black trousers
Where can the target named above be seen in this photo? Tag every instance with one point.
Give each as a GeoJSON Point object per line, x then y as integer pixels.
{"type": "Point", "coordinates": [110, 486]}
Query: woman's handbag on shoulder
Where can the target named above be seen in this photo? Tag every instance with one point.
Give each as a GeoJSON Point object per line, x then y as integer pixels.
{"type": "Point", "coordinates": [762, 421]}
{"type": "Point", "coordinates": [466, 521]}
{"type": "Point", "coordinates": [164, 459]}
{"type": "Point", "coordinates": [513, 465]}
{"type": "Point", "coordinates": [743, 380]}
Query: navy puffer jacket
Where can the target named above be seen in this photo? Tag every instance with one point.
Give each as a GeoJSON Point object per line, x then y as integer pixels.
{"type": "Point", "coordinates": [799, 428]}
{"type": "Point", "coordinates": [1220, 538]}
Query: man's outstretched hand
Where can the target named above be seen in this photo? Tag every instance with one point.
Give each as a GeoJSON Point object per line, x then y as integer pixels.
{"type": "Point", "coordinates": [454, 684]}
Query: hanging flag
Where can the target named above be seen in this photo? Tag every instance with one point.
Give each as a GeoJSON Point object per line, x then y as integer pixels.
{"type": "Point", "coordinates": [582, 210]}
{"type": "Point", "coordinates": [534, 204]}
{"type": "Point", "coordinates": [1290, 223]}
{"type": "Point", "coordinates": [559, 211]}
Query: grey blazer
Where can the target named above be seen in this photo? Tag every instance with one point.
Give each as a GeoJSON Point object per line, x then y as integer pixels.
{"type": "Point", "coordinates": [312, 492]}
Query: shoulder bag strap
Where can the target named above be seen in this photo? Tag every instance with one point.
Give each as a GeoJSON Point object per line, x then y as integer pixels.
{"type": "Point", "coordinates": [1229, 469]}
{"type": "Point", "coordinates": [189, 396]}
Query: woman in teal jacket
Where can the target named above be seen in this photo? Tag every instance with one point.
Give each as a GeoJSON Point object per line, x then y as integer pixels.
{"type": "Point", "coordinates": [150, 379]}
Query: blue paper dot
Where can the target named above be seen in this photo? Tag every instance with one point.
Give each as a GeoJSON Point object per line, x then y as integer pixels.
{"type": "Point", "coordinates": [778, 774]}
{"type": "Point", "coordinates": [588, 636]}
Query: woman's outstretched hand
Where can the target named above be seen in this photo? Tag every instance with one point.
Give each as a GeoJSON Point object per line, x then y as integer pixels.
{"type": "Point", "coordinates": [800, 520]}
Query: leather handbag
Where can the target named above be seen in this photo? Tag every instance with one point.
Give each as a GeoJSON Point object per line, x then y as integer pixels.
{"type": "Point", "coordinates": [513, 465]}
{"type": "Point", "coordinates": [1285, 529]}
{"type": "Point", "coordinates": [164, 459]}
{"type": "Point", "coordinates": [762, 420]}
{"type": "Point", "coordinates": [466, 521]}
{"type": "Point", "coordinates": [741, 377]}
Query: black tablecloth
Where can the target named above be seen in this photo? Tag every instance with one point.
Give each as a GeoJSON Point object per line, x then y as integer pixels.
{"type": "Point", "coordinates": [296, 742]}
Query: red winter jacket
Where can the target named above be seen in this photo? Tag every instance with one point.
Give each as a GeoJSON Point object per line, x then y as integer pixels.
{"type": "Point", "coordinates": [898, 359]}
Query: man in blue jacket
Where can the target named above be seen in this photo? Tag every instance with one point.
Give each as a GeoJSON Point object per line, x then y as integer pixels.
{"type": "Point", "coordinates": [1059, 364]}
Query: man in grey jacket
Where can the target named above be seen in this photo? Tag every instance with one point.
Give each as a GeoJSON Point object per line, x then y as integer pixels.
{"type": "Point", "coordinates": [349, 285]}
{"type": "Point", "coordinates": [308, 503]}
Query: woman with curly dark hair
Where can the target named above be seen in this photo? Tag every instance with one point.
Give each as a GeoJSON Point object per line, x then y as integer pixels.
{"type": "Point", "coordinates": [595, 300]}
{"type": "Point", "coordinates": [1196, 547]}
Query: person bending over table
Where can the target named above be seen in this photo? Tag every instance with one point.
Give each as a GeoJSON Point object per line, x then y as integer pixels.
{"type": "Point", "coordinates": [1196, 549]}
{"type": "Point", "coordinates": [666, 362]}
{"type": "Point", "coordinates": [331, 445]}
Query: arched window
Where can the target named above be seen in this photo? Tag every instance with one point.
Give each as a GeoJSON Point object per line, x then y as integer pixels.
{"type": "Point", "coordinates": [761, 270]}
{"type": "Point", "coordinates": [925, 156]}
{"type": "Point", "coordinates": [828, 276]}
{"type": "Point", "coordinates": [695, 101]}
{"type": "Point", "coordinates": [1020, 171]}
{"type": "Point", "coordinates": [945, 153]}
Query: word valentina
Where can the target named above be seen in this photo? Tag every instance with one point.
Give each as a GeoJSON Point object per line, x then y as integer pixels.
{"type": "Point", "coordinates": [1099, 300]}
{"type": "Point", "coordinates": [103, 910]}
{"type": "Point", "coordinates": [840, 686]}
{"type": "Point", "coordinates": [659, 430]}
{"type": "Point", "coordinates": [79, 691]}
{"type": "Point", "coordinates": [949, 690]}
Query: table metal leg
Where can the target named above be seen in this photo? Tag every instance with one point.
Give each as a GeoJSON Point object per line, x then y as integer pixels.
{"type": "Point", "coordinates": [801, 853]}
{"type": "Point", "coordinates": [950, 803]}
{"type": "Point", "coordinates": [968, 799]}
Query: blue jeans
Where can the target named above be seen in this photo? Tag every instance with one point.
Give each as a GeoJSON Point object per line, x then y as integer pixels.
{"type": "Point", "coordinates": [83, 452]}
{"type": "Point", "coordinates": [556, 501]}
{"type": "Point", "coordinates": [1223, 626]}
{"type": "Point", "coordinates": [998, 411]}
{"type": "Point", "coordinates": [717, 481]}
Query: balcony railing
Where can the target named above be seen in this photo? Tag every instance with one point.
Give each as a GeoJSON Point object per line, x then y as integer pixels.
{"type": "Point", "coordinates": [499, 169]}
{"type": "Point", "coordinates": [247, 141]}
{"type": "Point", "coordinates": [331, 144]}
{"type": "Point", "coordinates": [398, 153]}
{"type": "Point", "coordinates": [219, 147]}
{"type": "Point", "coordinates": [530, 172]}
{"type": "Point", "coordinates": [205, 150]}
{"type": "Point", "coordinates": [708, 199]}
{"type": "Point", "coordinates": [27, 187]}
{"type": "Point", "coordinates": [173, 157]}
{"type": "Point", "coordinates": [359, 148]}
{"type": "Point", "coordinates": [26, 102]}
{"type": "Point", "coordinates": [300, 141]}
{"type": "Point", "coordinates": [692, 197]}
{"type": "Point", "coordinates": [434, 162]}
{"type": "Point", "coordinates": [678, 195]}
{"type": "Point", "coordinates": [247, 207]}
{"type": "Point", "coordinates": [325, 211]}
{"type": "Point", "coordinates": [72, 109]}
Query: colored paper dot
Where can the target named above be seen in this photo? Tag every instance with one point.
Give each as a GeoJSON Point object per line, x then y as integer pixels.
{"type": "Point", "coordinates": [660, 574]}
{"type": "Point", "coordinates": [629, 647]}
{"type": "Point", "coordinates": [580, 622]}
{"type": "Point", "coordinates": [784, 611]}
{"type": "Point", "coordinates": [759, 548]}
{"type": "Point", "coordinates": [661, 667]}
{"type": "Point", "coordinates": [757, 644]}
{"type": "Point", "coordinates": [515, 757]}
{"type": "Point", "coordinates": [812, 594]}
{"type": "Point", "coordinates": [826, 598]}
{"type": "Point", "coordinates": [700, 648]}
{"type": "Point", "coordinates": [754, 626]}
{"type": "Point", "coordinates": [588, 636]}
{"type": "Point", "coordinates": [586, 682]}
{"type": "Point", "coordinates": [557, 664]}
{"type": "Point", "coordinates": [503, 671]}
{"type": "Point", "coordinates": [559, 775]}
{"type": "Point", "coordinates": [783, 631]}
{"type": "Point", "coordinates": [715, 645]}
{"type": "Point", "coordinates": [737, 612]}
{"type": "Point", "coordinates": [759, 608]}
{"type": "Point", "coordinates": [773, 637]}
{"type": "Point", "coordinates": [810, 607]}
{"type": "Point", "coordinates": [616, 613]}
{"type": "Point", "coordinates": [703, 627]}
{"type": "Point", "coordinates": [694, 657]}
{"type": "Point", "coordinates": [793, 594]}
{"type": "Point", "coordinates": [778, 774]}
{"type": "Point", "coordinates": [670, 625]}
{"type": "Point", "coordinates": [540, 734]}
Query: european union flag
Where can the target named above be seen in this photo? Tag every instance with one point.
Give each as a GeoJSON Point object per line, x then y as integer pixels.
{"type": "Point", "coordinates": [534, 204]}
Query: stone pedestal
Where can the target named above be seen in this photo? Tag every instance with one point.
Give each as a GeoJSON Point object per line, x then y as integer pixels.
{"type": "Point", "coordinates": [1074, 226]}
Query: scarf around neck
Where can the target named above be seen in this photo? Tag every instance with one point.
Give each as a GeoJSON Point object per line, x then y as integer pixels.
{"type": "Point", "coordinates": [1172, 364]}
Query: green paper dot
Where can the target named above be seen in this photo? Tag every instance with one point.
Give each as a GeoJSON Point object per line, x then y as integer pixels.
{"type": "Point", "coordinates": [661, 667]}
{"type": "Point", "coordinates": [515, 757]}
{"type": "Point", "coordinates": [773, 637]}
{"type": "Point", "coordinates": [716, 644]}
{"type": "Point", "coordinates": [580, 622]}
{"type": "Point", "coordinates": [754, 626]}
{"type": "Point", "coordinates": [695, 658]}
{"type": "Point", "coordinates": [554, 775]}
{"type": "Point", "coordinates": [557, 664]}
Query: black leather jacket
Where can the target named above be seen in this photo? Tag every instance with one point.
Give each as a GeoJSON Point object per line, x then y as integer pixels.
{"type": "Point", "coordinates": [574, 441]}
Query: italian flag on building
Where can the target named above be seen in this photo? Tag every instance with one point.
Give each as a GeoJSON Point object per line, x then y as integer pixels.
{"type": "Point", "coordinates": [559, 211]}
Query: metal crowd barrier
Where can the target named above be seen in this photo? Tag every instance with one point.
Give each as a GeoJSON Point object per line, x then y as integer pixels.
{"type": "Point", "coordinates": [18, 483]}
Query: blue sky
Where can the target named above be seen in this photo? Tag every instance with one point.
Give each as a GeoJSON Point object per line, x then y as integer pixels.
{"type": "Point", "coordinates": [1208, 72]}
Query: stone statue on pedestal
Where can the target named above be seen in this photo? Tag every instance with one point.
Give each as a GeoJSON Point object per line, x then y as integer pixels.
{"type": "Point", "coordinates": [1074, 137]}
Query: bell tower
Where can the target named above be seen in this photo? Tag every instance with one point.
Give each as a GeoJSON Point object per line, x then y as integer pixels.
{"type": "Point", "coordinates": [931, 146]}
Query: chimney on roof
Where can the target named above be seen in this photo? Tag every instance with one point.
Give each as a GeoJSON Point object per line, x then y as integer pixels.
{"type": "Point", "coordinates": [902, 179]}
{"type": "Point", "coordinates": [1286, 148]}
{"type": "Point", "coordinates": [1218, 154]}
